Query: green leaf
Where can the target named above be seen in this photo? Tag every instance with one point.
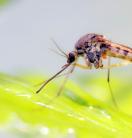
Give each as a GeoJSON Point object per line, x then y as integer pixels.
{"type": "Point", "coordinates": [3, 2]}
{"type": "Point", "coordinates": [76, 113]}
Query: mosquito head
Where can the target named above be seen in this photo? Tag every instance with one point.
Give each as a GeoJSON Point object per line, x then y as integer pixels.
{"type": "Point", "coordinates": [71, 57]}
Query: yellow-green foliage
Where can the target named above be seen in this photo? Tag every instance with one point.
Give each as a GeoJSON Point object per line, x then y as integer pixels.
{"type": "Point", "coordinates": [2, 2]}
{"type": "Point", "coordinates": [75, 113]}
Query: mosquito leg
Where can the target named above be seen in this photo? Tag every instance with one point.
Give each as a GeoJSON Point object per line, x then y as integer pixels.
{"type": "Point", "coordinates": [64, 74]}
{"type": "Point", "coordinates": [104, 67]}
{"type": "Point", "coordinates": [87, 67]}
{"type": "Point", "coordinates": [116, 65]}
{"type": "Point", "coordinates": [65, 80]}
{"type": "Point", "coordinates": [108, 81]}
{"type": "Point", "coordinates": [82, 66]}
{"type": "Point", "coordinates": [62, 86]}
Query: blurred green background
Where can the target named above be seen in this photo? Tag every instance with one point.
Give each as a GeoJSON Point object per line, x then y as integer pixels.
{"type": "Point", "coordinates": [85, 108]}
{"type": "Point", "coordinates": [2, 2]}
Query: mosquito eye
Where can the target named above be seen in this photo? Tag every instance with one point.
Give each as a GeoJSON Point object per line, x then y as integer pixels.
{"type": "Point", "coordinates": [71, 58]}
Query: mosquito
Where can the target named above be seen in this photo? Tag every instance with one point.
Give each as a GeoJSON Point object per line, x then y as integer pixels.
{"type": "Point", "coordinates": [94, 48]}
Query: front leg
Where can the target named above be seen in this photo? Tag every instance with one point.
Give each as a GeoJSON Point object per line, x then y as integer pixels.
{"type": "Point", "coordinates": [81, 66]}
{"type": "Point", "coordinates": [98, 64]}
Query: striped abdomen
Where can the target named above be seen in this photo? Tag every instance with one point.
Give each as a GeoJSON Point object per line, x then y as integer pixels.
{"type": "Point", "coordinates": [119, 51]}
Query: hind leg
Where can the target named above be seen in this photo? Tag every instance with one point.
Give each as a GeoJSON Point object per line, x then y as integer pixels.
{"type": "Point", "coordinates": [109, 84]}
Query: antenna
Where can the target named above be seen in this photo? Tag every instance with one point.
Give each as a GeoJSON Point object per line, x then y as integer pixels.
{"type": "Point", "coordinates": [58, 47]}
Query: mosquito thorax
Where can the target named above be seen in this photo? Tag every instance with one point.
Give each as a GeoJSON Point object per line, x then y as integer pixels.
{"type": "Point", "coordinates": [89, 47]}
{"type": "Point", "coordinates": [88, 41]}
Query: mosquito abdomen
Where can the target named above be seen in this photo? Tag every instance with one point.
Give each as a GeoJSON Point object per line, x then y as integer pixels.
{"type": "Point", "coordinates": [119, 51]}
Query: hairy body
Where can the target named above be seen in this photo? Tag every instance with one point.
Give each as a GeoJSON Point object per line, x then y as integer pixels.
{"type": "Point", "coordinates": [95, 48]}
